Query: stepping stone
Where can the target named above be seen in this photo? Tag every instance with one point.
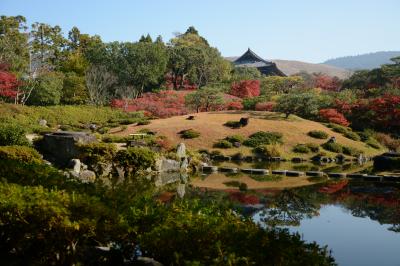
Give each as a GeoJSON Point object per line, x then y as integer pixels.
{"type": "Point", "coordinates": [337, 175]}
{"type": "Point", "coordinates": [255, 171]}
{"type": "Point", "coordinates": [228, 169]}
{"type": "Point", "coordinates": [279, 172]}
{"type": "Point", "coordinates": [356, 175]}
{"type": "Point", "coordinates": [294, 173]}
{"type": "Point", "coordinates": [389, 178]}
{"type": "Point", "coordinates": [210, 169]}
{"type": "Point", "coordinates": [314, 173]}
{"type": "Point", "coordinates": [373, 178]}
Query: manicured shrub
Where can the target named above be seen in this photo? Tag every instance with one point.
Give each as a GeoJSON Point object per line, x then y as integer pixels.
{"type": "Point", "coordinates": [233, 124]}
{"type": "Point", "coordinates": [95, 154]}
{"type": "Point", "coordinates": [250, 103]}
{"type": "Point", "coordinates": [265, 106]}
{"type": "Point", "coordinates": [301, 148]}
{"type": "Point", "coordinates": [223, 144]}
{"type": "Point", "coordinates": [263, 138]}
{"type": "Point", "coordinates": [313, 147]}
{"type": "Point", "coordinates": [351, 151]}
{"type": "Point", "coordinates": [12, 134]}
{"type": "Point", "coordinates": [333, 116]}
{"type": "Point", "coordinates": [373, 143]}
{"type": "Point", "coordinates": [235, 138]}
{"type": "Point", "coordinates": [235, 105]}
{"type": "Point", "coordinates": [338, 128]}
{"type": "Point", "coordinates": [243, 187]}
{"type": "Point", "coordinates": [333, 147]}
{"type": "Point", "coordinates": [190, 134]}
{"type": "Point", "coordinates": [318, 134]}
{"type": "Point", "coordinates": [352, 135]}
{"type": "Point", "coordinates": [135, 159]}
{"type": "Point", "coordinates": [115, 139]}
{"type": "Point", "coordinates": [267, 151]}
{"type": "Point", "coordinates": [20, 154]}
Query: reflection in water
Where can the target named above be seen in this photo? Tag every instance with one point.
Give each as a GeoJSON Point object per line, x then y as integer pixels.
{"type": "Point", "coordinates": [359, 219]}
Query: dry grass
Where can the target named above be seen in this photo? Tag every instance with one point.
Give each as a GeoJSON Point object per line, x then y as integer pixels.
{"type": "Point", "coordinates": [211, 127]}
{"type": "Point", "coordinates": [217, 180]}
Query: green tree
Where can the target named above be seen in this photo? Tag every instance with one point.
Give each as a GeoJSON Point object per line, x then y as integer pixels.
{"type": "Point", "coordinates": [14, 48]}
{"type": "Point", "coordinates": [278, 85]}
{"type": "Point", "coordinates": [48, 45]}
{"type": "Point", "coordinates": [245, 73]}
{"type": "Point", "coordinates": [305, 105]}
{"type": "Point", "coordinates": [205, 98]}
{"type": "Point", "coordinates": [49, 89]}
{"type": "Point", "coordinates": [74, 89]}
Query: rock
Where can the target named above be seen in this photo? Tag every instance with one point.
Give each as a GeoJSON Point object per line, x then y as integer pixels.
{"type": "Point", "coordinates": [209, 169]}
{"type": "Point", "coordinates": [87, 176]}
{"type": "Point", "coordinates": [228, 169]}
{"type": "Point", "coordinates": [332, 140]}
{"type": "Point", "coordinates": [180, 190]}
{"type": "Point", "coordinates": [237, 144]}
{"type": "Point", "coordinates": [167, 165]}
{"type": "Point", "coordinates": [184, 164]}
{"type": "Point", "coordinates": [190, 117]}
{"type": "Point", "coordinates": [181, 151]}
{"type": "Point", "coordinates": [294, 173]}
{"type": "Point", "coordinates": [42, 123]}
{"type": "Point", "coordinates": [315, 173]}
{"type": "Point", "coordinates": [297, 160]}
{"type": "Point", "coordinates": [337, 175]}
{"type": "Point", "coordinates": [244, 121]}
{"type": "Point", "coordinates": [60, 147]}
{"type": "Point", "coordinates": [255, 171]}
{"type": "Point", "coordinates": [92, 127]}
{"type": "Point", "coordinates": [145, 261]}
{"type": "Point", "coordinates": [279, 172]}
{"type": "Point", "coordinates": [75, 164]}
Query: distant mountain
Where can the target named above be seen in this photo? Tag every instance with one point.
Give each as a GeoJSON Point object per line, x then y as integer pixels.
{"type": "Point", "coordinates": [290, 67]}
{"type": "Point", "coordinates": [363, 61]}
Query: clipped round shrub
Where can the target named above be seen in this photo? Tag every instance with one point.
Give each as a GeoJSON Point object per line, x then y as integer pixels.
{"type": "Point", "coordinates": [318, 134]}
{"type": "Point", "coordinates": [352, 135]}
{"type": "Point", "coordinates": [135, 158]}
{"type": "Point", "coordinates": [223, 144]}
{"type": "Point", "coordinates": [235, 138]}
{"type": "Point", "coordinates": [351, 151]}
{"type": "Point", "coordinates": [21, 154]}
{"type": "Point", "coordinates": [243, 187]}
{"type": "Point", "coordinates": [233, 124]}
{"type": "Point", "coordinates": [263, 138]}
{"type": "Point", "coordinates": [189, 134]}
{"type": "Point", "coordinates": [313, 147]}
{"type": "Point", "coordinates": [301, 148]}
{"type": "Point", "coordinates": [12, 134]}
{"type": "Point", "coordinates": [333, 147]}
{"type": "Point", "coordinates": [267, 151]}
{"type": "Point", "coordinates": [338, 128]}
{"type": "Point", "coordinates": [373, 143]}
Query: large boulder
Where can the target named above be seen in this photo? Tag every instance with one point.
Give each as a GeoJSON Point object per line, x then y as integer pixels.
{"type": "Point", "coordinates": [181, 151]}
{"type": "Point", "coordinates": [60, 147]}
{"type": "Point", "coordinates": [167, 165]}
{"type": "Point", "coordinates": [387, 161]}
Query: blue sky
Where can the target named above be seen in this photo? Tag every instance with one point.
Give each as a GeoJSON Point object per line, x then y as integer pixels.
{"type": "Point", "coordinates": [307, 30]}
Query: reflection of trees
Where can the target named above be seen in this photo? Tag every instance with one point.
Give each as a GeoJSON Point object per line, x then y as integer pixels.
{"type": "Point", "coordinates": [382, 208]}
{"type": "Point", "coordinates": [289, 208]}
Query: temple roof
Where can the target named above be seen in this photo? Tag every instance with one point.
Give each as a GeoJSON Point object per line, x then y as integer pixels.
{"type": "Point", "coordinates": [251, 59]}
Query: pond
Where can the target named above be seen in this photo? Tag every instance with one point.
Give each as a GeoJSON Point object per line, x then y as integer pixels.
{"type": "Point", "coordinates": [360, 223]}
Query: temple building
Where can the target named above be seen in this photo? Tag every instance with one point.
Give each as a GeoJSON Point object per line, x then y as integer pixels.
{"type": "Point", "coordinates": [250, 59]}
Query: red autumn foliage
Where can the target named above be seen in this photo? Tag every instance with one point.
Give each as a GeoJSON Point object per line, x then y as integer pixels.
{"type": "Point", "coordinates": [333, 116]}
{"type": "Point", "coordinates": [328, 83]}
{"type": "Point", "coordinates": [386, 110]}
{"type": "Point", "coordinates": [265, 106]}
{"type": "Point", "coordinates": [8, 85]}
{"type": "Point", "coordinates": [162, 104]}
{"type": "Point", "coordinates": [246, 88]}
{"type": "Point", "coordinates": [244, 198]}
{"type": "Point", "coordinates": [332, 188]}
{"type": "Point", "coordinates": [382, 111]}
{"type": "Point", "coordinates": [236, 105]}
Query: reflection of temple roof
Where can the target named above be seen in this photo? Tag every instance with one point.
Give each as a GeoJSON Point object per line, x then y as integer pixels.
{"type": "Point", "coordinates": [251, 59]}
